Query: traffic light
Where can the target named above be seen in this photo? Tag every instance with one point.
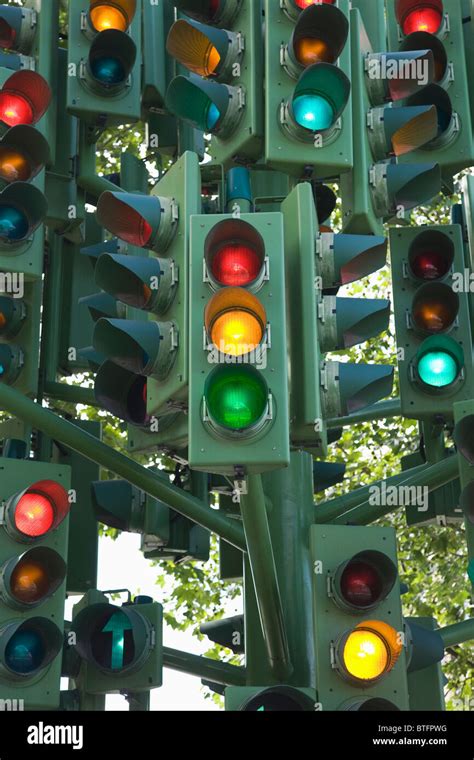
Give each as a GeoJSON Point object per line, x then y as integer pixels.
{"type": "Point", "coordinates": [317, 264]}
{"type": "Point", "coordinates": [432, 320]}
{"type": "Point", "coordinates": [438, 26]}
{"type": "Point", "coordinates": [220, 44]}
{"type": "Point", "coordinates": [104, 67]}
{"type": "Point", "coordinates": [238, 390]}
{"type": "Point", "coordinates": [17, 28]}
{"type": "Point", "coordinates": [380, 186]}
{"type": "Point", "coordinates": [464, 439]}
{"type": "Point", "coordinates": [166, 534]}
{"type": "Point", "coordinates": [358, 625]}
{"type": "Point", "coordinates": [120, 647]}
{"type": "Point", "coordinates": [33, 555]}
{"type": "Point", "coordinates": [279, 698]}
{"type": "Point", "coordinates": [148, 351]}
{"type": "Point", "coordinates": [308, 113]}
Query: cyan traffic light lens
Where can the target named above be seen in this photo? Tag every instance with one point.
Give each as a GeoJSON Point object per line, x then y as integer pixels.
{"type": "Point", "coordinates": [438, 369]}
{"type": "Point", "coordinates": [112, 642]}
{"type": "Point", "coordinates": [13, 223]}
{"type": "Point", "coordinates": [108, 70]}
{"type": "Point", "coordinates": [212, 115]}
{"type": "Point", "coordinates": [25, 651]}
{"type": "Point", "coordinates": [236, 397]}
{"type": "Point", "coordinates": [313, 112]}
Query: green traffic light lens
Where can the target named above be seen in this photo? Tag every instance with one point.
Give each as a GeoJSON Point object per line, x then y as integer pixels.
{"type": "Point", "coordinates": [212, 116]}
{"type": "Point", "coordinates": [108, 70]}
{"type": "Point", "coordinates": [236, 398]}
{"type": "Point", "coordinates": [25, 651]}
{"type": "Point", "coordinates": [313, 112]}
{"type": "Point", "coordinates": [438, 367]}
{"type": "Point", "coordinates": [13, 223]}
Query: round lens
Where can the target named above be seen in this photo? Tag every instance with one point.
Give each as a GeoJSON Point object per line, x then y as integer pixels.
{"type": "Point", "coordinates": [236, 397]}
{"type": "Point", "coordinates": [29, 582]}
{"type": "Point", "coordinates": [309, 50]}
{"type": "Point", "coordinates": [438, 369]}
{"type": "Point", "coordinates": [423, 20]}
{"type": "Point", "coordinates": [361, 584]}
{"type": "Point", "coordinates": [212, 116]}
{"type": "Point", "coordinates": [313, 112]}
{"type": "Point", "coordinates": [34, 515]}
{"type": "Point", "coordinates": [435, 308]}
{"type": "Point", "coordinates": [24, 652]}
{"type": "Point", "coordinates": [107, 17]}
{"type": "Point", "coordinates": [15, 110]}
{"type": "Point", "coordinates": [14, 166]}
{"type": "Point", "coordinates": [236, 333]}
{"type": "Point", "coordinates": [108, 70]}
{"type": "Point", "coordinates": [236, 265]}
{"type": "Point", "coordinates": [365, 655]}
{"type": "Point", "coordinates": [13, 223]}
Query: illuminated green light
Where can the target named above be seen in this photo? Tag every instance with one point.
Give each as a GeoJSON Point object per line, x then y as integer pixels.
{"type": "Point", "coordinates": [236, 397]}
{"type": "Point", "coordinates": [313, 112]}
{"type": "Point", "coordinates": [438, 369]}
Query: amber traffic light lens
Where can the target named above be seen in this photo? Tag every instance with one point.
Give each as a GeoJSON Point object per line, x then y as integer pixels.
{"type": "Point", "coordinates": [235, 321]}
{"type": "Point", "coordinates": [435, 308]}
{"type": "Point", "coordinates": [106, 17]}
{"type": "Point", "coordinates": [14, 166]}
{"type": "Point", "coordinates": [309, 50]}
{"type": "Point", "coordinates": [29, 582]}
{"type": "Point", "coordinates": [365, 655]}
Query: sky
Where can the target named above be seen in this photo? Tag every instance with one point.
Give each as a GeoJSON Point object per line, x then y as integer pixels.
{"type": "Point", "coordinates": [121, 565]}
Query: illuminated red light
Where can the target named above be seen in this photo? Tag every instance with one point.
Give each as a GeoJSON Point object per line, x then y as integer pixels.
{"type": "Point", "coordinates": [430, 265]}
{"type": "Point", "coordinates": [361, 584]}
{"type": "Point", "coordinates": [306, 3]}
{"type": "Point", "coordinates": [14, 109]}
{"type": "Point", "coordinates": [426, 20]}
{"type": "Point", "coordinates": [34, 515]}
{"type": "Point", "coordinates": [236, 264]}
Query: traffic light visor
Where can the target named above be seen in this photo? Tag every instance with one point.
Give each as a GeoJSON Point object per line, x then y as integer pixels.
{"type": "Point", "coordinates": [320, 97]}
{"type": "Point", "coordinates": [202, 103]}
{"type": "Point", "coordinates": [131, 217]}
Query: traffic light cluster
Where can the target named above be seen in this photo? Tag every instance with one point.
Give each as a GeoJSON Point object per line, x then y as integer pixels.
{"type": "Point", "coordinates": [317, 265]}
{"type": "Point", "coordinates": [308, 116]}
{"type": "Point", "coordinates": [438, 27]}
{"type": "Point", "coordinates": [358, 627]}
{"type": "Point", "coordinates": [432, 320]}
{"type": "Point", "coordinates": [219, 47]}
{"type": "Point", "coordinates": [33, 556]}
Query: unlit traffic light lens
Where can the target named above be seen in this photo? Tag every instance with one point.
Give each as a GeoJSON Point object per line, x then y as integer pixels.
{"type": "Point", "coordinates": [14, 166]}
{"type": "Point", "coordinates": [435, 308]}
{"type": "Point", "coordinates": [13, 223]}
{"type": "Point", "coordinates": [431, 255]}
{"type": "Point", "coordinates": [33, 577]}
{"type": "Point", "coordinates": [25, 651]}
{"type": "Point", "coordinates": [108, 70]}
{"type": "Point", "coordinates": [361, 584]}
{"type": "Point", "coordinates": [236, 397]}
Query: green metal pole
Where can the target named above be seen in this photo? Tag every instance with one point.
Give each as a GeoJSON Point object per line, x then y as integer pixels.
{"type": "Point", "coordinates": [289, 495]}
{"type": "Point", "coordinates": [382, 410]}
{"type": "Point", "coordinates": [326, 512]}
{"type": "Point", "coordinates": [204, 667]}
{"type": "Point", "coordinates": [264, 574]}
{"type": "Point", "coordinates": [259, 671]}
{"type": "Point", "coordinates": [79, 440]}
{"type": "Point", "coordinates": [432, 477]}
{"type": "Point", "coordinates": [457, 633]}
{"type": "Point", "coordinates": [51, 314]}
{"type": "Point", "coordinates": [87, 178]}
{"type": "Point", "coordinates": [74, 394]}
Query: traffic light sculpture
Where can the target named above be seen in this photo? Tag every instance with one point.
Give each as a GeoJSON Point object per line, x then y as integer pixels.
{"type": "Point", "coordinates": [279, 698]}
{"type": "Point", "coordinates": [238, 393]}
{"type": "Point", "coordinates": [104, 81]}
{"type": "Point", "coordinates": [358, 625]}
{"type": "Point", "coordinates": [308, 115]}
{"type": "Point", "coordinates": [220, 45]}
{"type": "Point", "coordinates": [33, 556]}
{"type": "Point", "coordinates": [120, 647]}
{"type": "Point", "coordinates": [439, 27]}
{"type": "Point", "coordinates": [432, 320]}
{"type": "Point", "coordinates": [317, 264]}
{"type": "Point", "coordinates": [464, 439]}
{"type": "Point", "coordinates": [149, 375]}
{"type": "Point", "coordinates": [380, 186]}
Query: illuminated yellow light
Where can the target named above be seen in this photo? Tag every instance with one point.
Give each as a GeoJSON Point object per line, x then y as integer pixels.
{"type": "Point", "coordinates": [236, 333]}
{"type": "Point", "coordinates": [365, 655]}
{"type": "Point", "coordinates": [107, 17]}
{"type": "Point", "coordinates": [235, 321]}
{"type": "Point", "coordinates": [193, 49]}
{"type": "Point", "coordinates": [14, 166]}
{"type": "Point", "coordinates": [309, 50]}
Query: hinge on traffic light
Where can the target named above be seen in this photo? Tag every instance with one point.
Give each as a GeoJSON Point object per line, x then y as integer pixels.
{"type": "Point", "coordinates": [174, 273]}
{"type": "Point", "coordinates": [174, 338]}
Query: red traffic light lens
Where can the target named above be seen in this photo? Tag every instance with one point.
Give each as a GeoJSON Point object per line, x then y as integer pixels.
{"type": "Point", "coordinates": [7, 35]}
{"type": "Point", "coordinates": [306, 3]}
{"type": "Point", "coordinates": [361, 584]}
{"type": "Point", "coordinates": [37, 510]}
{"type": "Point", "coordinates": [34, 515]}
{"type": "Point", "coordinates": [431, 255]}
{"type": "Point", "coordinates": [123, 220]}
{"type": "Point", "coordinates": [423, 20]}
{"type": "Point", "coordinates": [236, 264]}
{"type": "Point", "coordinates": [15, 109]}
{"type": "Point", "coordinates": [24, 98]}
{"type": "Point", "coordinates": [234, 253]}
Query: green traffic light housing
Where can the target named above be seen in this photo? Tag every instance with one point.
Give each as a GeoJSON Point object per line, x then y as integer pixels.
{"type": "Point", "coordinates": [118, 504]}
{"type": "Point", "coordinates": [397, 131]}
{"type": "Point", "coordinates": [102, 305]}
{"type": "Point", "coordinates": [342, 259]}
{"type": "Point", "coordinates": [145, 221]}
{"type": "Point", "coordinates": [447, 123]}
{"type": "Point", "coordinates": [422, 42]}
{"type": "Point", "coordinates": [143, 283]}
{"type": "Point", "coordinates": [346, 322]}
{"type": "Point", "coordinates": [320, 35]}
{"type": "Point", "coordinates": [463, 436]}
{"type": "Point", "coordinates": [11, 363]}
{"type": "Point", "coordinates": [205, 50]}
{"type": "Point", "coordinates": [144, 348]}
{"type": "Point", "coordinates": [218, 12]}
{"type": "Point", "coordinates": [317, 102]}
{"type": "Point", "coordinates": [12, 316]}
{"type": "Point", "coordinates": [122, 393]}
{"type": "Point", "coordinates": [396, 187]}
{"type": "Point", "coordinates": [347, 388]}
{"type": "Point", "coordinates": [208, 106]}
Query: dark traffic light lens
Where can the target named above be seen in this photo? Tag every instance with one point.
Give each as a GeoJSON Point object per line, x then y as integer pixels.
{"type": "Point", "coordinates": [13, 223]}
{"type": "Point", "coordinates": [431, 255]}
{"type": "Point", "coordinates": [435, 308]}
{"type": "Point", "coordinates": [108, 70]}
{"type": "Point", "coordinates": [14, 166]}
{"type": "Point", "coordinates": [7, 35]}
{"type": "Point", "coordinates": [31, 578]}
{"type": "Point", "coordinates": [361, 584]}
{"type": "Point", "coordinates": [25, 651]}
